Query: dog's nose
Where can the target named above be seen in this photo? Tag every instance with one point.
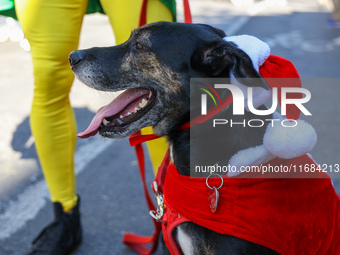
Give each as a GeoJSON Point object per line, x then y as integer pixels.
{"type": "Point", "coordinates": [75, 57]}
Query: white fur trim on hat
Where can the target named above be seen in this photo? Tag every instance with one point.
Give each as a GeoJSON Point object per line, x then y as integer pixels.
{"type": "Point", "coordinates": [256, 49]}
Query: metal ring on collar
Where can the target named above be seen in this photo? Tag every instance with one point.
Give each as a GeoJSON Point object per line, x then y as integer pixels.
{"type": "Point", "coordinates": [210, 175]}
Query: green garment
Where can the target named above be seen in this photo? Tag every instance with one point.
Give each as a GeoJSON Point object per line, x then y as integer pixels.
{"type": "Point", "coordinates": [7, 8]}
{"type": "Point", "coordinates": [171, 4]}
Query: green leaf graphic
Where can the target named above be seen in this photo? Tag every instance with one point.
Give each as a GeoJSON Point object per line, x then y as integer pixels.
{"type": "Point", "coordinates": [206, 91]}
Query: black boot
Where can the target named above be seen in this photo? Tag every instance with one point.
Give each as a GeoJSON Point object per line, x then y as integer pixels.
{"type": "Point", "coordinates": [61, 236]}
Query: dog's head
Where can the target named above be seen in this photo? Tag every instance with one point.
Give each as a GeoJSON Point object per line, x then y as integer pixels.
{"type": "Point", "coordinates": [154, 67]}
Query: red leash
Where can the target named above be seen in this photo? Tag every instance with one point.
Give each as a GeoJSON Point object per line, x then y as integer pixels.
{"type": "Point", "coordinates": [137, 242]}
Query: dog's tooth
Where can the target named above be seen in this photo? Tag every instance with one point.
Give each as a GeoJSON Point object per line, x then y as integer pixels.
{"type": "Point", "coordinates": [129, 113]}
{"type": "Point", "coordinates": [143, 103]}
{"type": "Point", "coordinates": [136, 109]}
{"type": "Point", "coordinates": [105, 122]}
{"type": "Point", "coordinates": [121, 116]}
{"type": "Point", "coordinates": [140, 105]}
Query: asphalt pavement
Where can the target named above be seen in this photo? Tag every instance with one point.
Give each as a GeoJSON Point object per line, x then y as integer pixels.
{"type": "Point", "coordinates": [112, 200]}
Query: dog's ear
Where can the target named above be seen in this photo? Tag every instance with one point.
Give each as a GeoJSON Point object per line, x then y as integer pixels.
{"type": "Point", "coordinates": [219, 58]}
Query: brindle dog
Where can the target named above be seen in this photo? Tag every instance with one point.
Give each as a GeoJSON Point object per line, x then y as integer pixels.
{"type": "Point", "coordinates": [154, 67]}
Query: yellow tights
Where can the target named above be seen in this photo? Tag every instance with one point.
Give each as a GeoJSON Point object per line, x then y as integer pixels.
{"type": "Point", "coordinates": [52, 27]}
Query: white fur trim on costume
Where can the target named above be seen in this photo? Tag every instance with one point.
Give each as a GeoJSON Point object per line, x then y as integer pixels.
{"type": "Point", "coordinates": [256, 49]}
{"type": "Point", "coordinates": [252, 156]}
{"type": "Point", "coordinates": [290, 142]}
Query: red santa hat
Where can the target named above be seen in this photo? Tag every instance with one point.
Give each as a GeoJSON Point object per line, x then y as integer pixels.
{"type": "Point", "coordinates": [278, 141]}
{"type": "Point", "coordinates": [277, 71]}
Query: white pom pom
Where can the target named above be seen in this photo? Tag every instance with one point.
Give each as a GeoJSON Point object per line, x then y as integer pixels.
{"type": "Point", "coordinates": [290, 142]}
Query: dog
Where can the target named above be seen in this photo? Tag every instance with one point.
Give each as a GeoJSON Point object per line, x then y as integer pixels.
{"type": "Point", "coordinates": [154, 67]}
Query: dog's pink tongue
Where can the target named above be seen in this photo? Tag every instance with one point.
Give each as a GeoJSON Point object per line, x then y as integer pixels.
{"type": "Point", "coordinates": [95, 123]}
{"type": "Point", "coordinates": [117, 105]}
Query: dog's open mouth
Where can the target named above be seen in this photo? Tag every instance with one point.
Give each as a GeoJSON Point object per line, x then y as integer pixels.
{"type": "Point", "coordinates": [128, 107]}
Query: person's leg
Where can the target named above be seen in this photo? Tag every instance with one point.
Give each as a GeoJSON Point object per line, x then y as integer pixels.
{"type": "Point", "coordinates": [336, 10]}
{"type": "Point", "coordinates": [52, 28]}
{"type": "Point", "coordinates": [157, 11]}
{"type": "Point", "coordinates": [124, 17]}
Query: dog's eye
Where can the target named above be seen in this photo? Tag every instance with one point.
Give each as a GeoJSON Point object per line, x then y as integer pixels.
{"type": "Point", "coordinates": [139, 46]}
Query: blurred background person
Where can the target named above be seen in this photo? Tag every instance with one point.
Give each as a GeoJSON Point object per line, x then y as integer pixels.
{"type": "Point", "coordinates": [335, 20]}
